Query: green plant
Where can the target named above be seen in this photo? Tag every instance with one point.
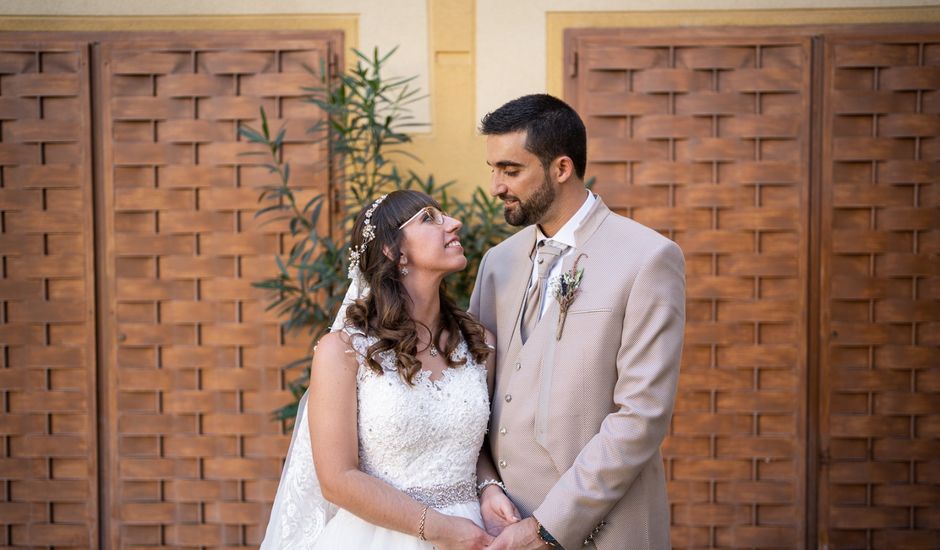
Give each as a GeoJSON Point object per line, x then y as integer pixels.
{"type": "Point", "coordinates": [366, 115]}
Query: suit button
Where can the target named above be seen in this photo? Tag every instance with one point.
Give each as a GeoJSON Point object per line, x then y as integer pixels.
{"type": "Point", "coordinates": [502, 431]}
{"type": "Point", "coordinates": [508, 398]}
{"type": "Point", "coordinates": [540, 260]}
{"type": "Point", "coordinates": [518, 366]}
{"type": "Point", "coordinates": [502, 463]}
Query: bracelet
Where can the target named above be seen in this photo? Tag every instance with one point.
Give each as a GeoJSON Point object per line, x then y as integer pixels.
{"type": "Point", "coordinates": [487, 482]}
{"type": "Point", "coordinates": [424, 517]}
{"type": "Point", "coordinates": [546, 537]}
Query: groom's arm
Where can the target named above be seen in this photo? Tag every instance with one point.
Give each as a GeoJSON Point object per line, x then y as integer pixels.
{"type": "Point", "coordinates": [496, 509]}
{"type": "Point", "coordinates": [485, 468]}
{"type": "Point", "coordinates": [647, 374]}
{"type": "Point", "coordinates": [476, 297]}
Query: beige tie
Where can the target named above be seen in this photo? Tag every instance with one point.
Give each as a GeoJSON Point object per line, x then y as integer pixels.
{"type": "Point", "coordinates": [545, 257]}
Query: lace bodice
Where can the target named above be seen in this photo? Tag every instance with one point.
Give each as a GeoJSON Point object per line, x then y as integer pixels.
{"type": "Point", "coordinates": [425, 437]}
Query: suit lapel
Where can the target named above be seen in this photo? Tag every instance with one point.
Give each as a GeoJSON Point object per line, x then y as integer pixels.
{"type": "Point", "coordinates": [544, 334]}
{"type": "Point", "coordinates": [588, 228]}
{"type": "Point", "coordinates": [592, 222]}
{"type": "Point", "coordinates": [518, 281]}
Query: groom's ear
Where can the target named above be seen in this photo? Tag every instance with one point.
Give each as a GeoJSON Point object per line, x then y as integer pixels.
{"type": "Point", "coordinates": [562, 168]}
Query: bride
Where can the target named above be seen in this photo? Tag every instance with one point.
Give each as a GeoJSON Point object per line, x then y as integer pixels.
{"type": "Point", "coordinates": [386, 452]}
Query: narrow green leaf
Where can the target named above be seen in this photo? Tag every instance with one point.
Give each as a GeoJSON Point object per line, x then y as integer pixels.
{"type": "Point", "coordinates": [264, 125]}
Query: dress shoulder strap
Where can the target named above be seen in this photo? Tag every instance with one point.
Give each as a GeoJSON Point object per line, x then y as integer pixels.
{"type": "Point", "coordinates": [361, 342]}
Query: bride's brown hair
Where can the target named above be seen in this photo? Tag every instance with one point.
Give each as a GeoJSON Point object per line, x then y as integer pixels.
{"type": "Point", "coordinates": [383, 313]}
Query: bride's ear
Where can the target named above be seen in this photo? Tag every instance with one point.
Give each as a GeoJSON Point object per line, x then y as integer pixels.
{"type": "Point", "coordinates": [402, 260]}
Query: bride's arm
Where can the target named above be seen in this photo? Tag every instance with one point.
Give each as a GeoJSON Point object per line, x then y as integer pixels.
{"type": "Point", "coordinates": [332, 412]}
{"type": "Point", "coordinates": [495, 507]}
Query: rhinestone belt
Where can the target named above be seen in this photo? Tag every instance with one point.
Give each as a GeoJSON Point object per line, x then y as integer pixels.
{"type": "Point", "coordinates": [438, 496]}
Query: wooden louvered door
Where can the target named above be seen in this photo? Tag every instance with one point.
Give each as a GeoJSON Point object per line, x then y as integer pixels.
{"type": "Point", "coordinates": [763, 153]}
{"type": "Point", "coordinates": [48, 436]}
{"type": "Point", "coordinates": [704, 137]}
{"type": "Point", "coordinates": [196, 370]}
{"type": "Point", "coordinates": [880, 440]}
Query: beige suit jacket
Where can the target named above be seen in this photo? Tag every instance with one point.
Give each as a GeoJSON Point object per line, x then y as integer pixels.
{"type": "Point", "coordinates": [577, 423]}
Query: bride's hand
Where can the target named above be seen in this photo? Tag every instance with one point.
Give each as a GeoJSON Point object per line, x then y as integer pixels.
{"type": "Point", "coordinates": [455, 533]}
{"type": "Point", "coordinates": [497, 510]}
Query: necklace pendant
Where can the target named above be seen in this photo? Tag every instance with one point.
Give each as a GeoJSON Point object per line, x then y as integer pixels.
{"type": "Point", "coordinates": [433, 351]}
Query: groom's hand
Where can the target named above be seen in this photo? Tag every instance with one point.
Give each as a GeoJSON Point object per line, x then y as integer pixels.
{"type": "Point", "coordinates": [497, 510]}
{"type": "Point", "coordinates": [522, 535]}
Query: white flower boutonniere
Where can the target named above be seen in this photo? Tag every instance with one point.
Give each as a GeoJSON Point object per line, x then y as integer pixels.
{"type": "Point", "coordinates": [564, 288]}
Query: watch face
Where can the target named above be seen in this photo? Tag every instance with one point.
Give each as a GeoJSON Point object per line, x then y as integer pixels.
{"type": "Point", "coordinates": [546, 536]}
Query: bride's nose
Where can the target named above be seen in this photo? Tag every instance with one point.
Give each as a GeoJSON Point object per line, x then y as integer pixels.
{"type": "Point", "coordinates": [452, 225]}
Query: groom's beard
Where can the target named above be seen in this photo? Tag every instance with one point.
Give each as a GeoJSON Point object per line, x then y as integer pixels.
{"type": "Point", "coordinates": [531, 210]}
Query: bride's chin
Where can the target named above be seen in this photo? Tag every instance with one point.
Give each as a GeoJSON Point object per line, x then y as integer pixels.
{"type": "Point", "coordinates": [462, 266]}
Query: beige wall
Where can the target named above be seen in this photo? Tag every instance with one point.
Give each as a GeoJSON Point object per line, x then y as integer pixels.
{"type": "Point", "coordinates": [519, 43]}
{"type": "Point", "coordinates": [470, 56]}
{"type": "Point", "coordinates": [376, 25]}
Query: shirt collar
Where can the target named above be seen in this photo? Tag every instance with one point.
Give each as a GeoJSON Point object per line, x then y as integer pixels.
{"type": "Point", "coordinates": [565, 235]}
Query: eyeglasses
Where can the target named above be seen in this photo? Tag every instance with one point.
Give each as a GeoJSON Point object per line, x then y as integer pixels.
{"type": "Point", "coordinates": [433, 214]}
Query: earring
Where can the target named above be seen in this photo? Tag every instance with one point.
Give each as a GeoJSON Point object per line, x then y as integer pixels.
{"type": "Point", "coordinates": [404, 271]}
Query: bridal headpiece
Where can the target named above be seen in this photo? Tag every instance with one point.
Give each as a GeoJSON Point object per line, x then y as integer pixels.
{"type": "Point", "coordinates": [368, 235]}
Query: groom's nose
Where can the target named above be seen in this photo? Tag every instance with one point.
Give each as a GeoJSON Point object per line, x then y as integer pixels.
{"type": "Point", "coordinates": [497, 187]}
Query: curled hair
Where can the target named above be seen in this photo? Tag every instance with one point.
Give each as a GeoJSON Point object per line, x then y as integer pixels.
{"type": "Point", "coordinates": [383, 313]}
{"type": "Point", "coordinates": [553, 129]}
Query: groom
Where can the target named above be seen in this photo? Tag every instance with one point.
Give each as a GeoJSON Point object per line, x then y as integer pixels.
{"type": "Point", "coordinates": [586, 370]}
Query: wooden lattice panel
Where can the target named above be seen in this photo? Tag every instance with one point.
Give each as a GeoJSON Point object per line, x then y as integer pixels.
{"type": "Point", "coordinates": [196, 370]}
{"type": "Point", "coordinates": [880, 484]}
{"type": "Point", "coordinates": [704, 137]}
{"type": "Point", "coordinates": [48, 445]}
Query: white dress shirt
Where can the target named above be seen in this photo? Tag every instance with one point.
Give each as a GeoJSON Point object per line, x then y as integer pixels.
{"type": "Point", "coordinates": [564, 237]}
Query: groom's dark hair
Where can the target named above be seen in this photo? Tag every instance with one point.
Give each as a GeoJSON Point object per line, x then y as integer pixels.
{"type": "Point", "coordinates": [552, 127]}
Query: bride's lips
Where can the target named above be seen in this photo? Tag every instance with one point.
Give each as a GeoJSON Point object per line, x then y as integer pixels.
{"type": "Point", "coordinates": [453, 243]}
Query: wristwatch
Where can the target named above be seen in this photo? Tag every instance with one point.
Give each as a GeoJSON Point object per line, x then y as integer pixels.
{"type": "Point", "coordinates": [546, 537]}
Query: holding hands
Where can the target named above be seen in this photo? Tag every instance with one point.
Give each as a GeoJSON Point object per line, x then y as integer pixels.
{"type": "Point", "coordinates": [522, 535]}
{"type": "Point", "coordinates": [504, 529]}
{"type": "Point", "coordinates": [497, 510]}
{"type": "Point", "coordinates": [501, 519]}
{"type": "Point", "coordinates": [455, 533]}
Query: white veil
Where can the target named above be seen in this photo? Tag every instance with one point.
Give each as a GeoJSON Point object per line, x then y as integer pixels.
{"type": "Point", "coordinates": [300, 512]}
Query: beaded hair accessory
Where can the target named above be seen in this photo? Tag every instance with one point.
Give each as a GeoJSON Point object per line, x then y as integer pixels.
{"type": "Point", "coordinates": [368, 234]}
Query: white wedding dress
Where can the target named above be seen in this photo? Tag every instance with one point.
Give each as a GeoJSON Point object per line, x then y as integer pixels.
{"type": "Point", "coordinates": [422, 439]}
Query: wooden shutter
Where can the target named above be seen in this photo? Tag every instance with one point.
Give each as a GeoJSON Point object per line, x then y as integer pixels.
{"type": "Point", "coordinates": [196, 365]}
{"type": "Point", "coordinates": [48, 446]}
{"type": "Point", "coordinates": [704, 135]}
{"type": "Point", "coordinates": [880, 440]}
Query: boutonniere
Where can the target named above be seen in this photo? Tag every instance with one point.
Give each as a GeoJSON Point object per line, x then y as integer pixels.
{"type": "Point", "coordinates": [564, 288]}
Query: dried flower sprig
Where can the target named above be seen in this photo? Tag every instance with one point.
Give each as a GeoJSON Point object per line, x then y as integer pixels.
{"type": "Point", "coordinates": [564, 288]}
